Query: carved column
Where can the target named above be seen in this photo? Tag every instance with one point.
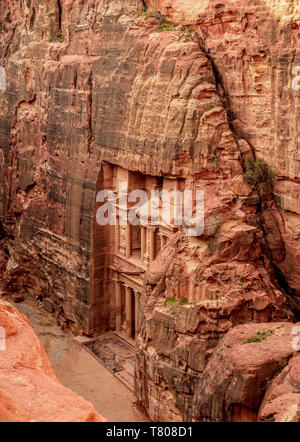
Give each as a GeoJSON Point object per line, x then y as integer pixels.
{"type": "Point", "coordinates": [163, 241]}
{"type": "Point", "coordinates": [128, 241]}
{"type": "Point", "coordinates": [143, 243]}
{"type": "Point", "coordinates": [137, 310]}
{"type": "Point", "coordinates": [118, 306]}
{"type": "Point", "coordinates": [128, 309]}
{"type": "Point", "coordinates": [117, 236]}
{"type": "Point", "coordinates": [147, 247]}
{"type": "Point", "coordinates": [152, 245]}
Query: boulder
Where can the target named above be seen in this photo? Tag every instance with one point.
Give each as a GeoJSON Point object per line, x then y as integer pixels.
{"type": "Point", "coordinates": [244, 363]}
{"type": "Point", "coordinates": [29, 388]}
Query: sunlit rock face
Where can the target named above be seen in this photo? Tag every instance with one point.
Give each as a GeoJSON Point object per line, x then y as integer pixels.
{"type": "Point", "coordinates": [255, 47]}
{"type": "Point", "coordinates": [29, 388]}
{"type": "Point", "coordinates": [93, 86]}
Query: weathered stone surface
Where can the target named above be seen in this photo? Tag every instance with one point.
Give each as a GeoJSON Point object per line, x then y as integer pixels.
{"type": "Point", "coordinates": [80, 103]}
{"type": "Point", "coordinates": [89, 82]}
{"type": "Point", "coordinates": [179, 338]}
{"type": "Point", "coordinates": [282, 399]}
{"type": "Point", "coordinates": [255, 46]}
{"type": "Point", "coordinates": [19, 298]}
{"type": "Point", "coordinates": [235, 379]}
{"type": "Point", "coordinates": [48, 305]}
{"type": "Point", "coordinates": [29, 388]}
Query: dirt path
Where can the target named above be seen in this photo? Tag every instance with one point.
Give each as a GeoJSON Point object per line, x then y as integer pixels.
{"type": "Point", "coordinates": [80, 371]}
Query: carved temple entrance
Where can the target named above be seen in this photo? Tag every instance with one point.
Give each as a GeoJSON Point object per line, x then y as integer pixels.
{"type": "Point", "coordinates": [124, 250]}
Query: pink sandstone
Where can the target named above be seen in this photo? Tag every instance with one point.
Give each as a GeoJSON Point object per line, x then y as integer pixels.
{"type": "Point", "coordinates": [96, 94]}
{"type": "Point", "coordinates": [29, 388]}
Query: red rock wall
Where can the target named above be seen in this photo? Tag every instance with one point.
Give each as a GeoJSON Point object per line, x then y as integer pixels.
{"type": "Point", "coordinates": [71, 104]}
{"type": "Point", "coordinates": [52, 140]}
{"type": "Point", "coordinates": [89, 81]}
{"type": "Point", "coordinates": [255, 46]}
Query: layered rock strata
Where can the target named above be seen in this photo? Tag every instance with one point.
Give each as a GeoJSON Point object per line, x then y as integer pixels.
{"type": "Point", "coordinates": [95, 83]}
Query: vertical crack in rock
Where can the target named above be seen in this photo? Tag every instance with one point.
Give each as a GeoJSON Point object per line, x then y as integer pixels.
{"type": "Point", "coordinates": [59, 14]}
{"type": "Point", "coordinates": [32, 18]}
{"type": "Point", "coordinates": [277, 273]}
{"type": "Point", "coordinates": [89, 112]}
{"type": "Point", "coordinates": [226, 101]}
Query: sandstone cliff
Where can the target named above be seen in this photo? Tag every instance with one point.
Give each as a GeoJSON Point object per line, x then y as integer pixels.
{"type": "Point", "coordinates": [93, 81]}
{"type": "Point", "coordinates": [29, 388]}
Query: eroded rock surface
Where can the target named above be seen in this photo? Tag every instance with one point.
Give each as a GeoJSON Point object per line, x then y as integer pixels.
{"type": "Point", "coordinates": [254, 46]}
{"type": "Point", "coordinates": [29, 388]}
{"type": "Point", "coordinates": [236, 377]}
{"type": "Point", "coordinates": [282, 399]}
{"type": "Point", "coordinates": [94, 81]}
{"type": "Point", "coordinates": [178, 338]}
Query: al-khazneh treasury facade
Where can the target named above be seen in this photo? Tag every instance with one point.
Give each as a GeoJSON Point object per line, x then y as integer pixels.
{"type": "Point", "coordinates": [95, 94]}
{"type": "Point", "coordinates": [131, 247]}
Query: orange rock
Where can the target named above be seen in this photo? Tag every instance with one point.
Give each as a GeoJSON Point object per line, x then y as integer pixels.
{"type": "Point", "coordinates": [282, 399]}
{"type": "Point", "coordinates": [243, 364]}
{"type": "Point", "coordinates": [29, 388]}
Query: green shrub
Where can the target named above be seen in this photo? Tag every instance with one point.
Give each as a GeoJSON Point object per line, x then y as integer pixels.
{"type": "Point", "coordinates": [166, 27]}
{"type": "Point", "coordinates": [260, 336]}
{"type": "Point", "coordinates": [258, 172]}
{"type": "Point", "coordinates": [188, 35]}
{"type": "Point", "coordinates": [182, 301]}
{"type": "Point", "coordinates": [175, 304]}
{"type": "Point", "coordinates": [163, 26]}
{"type": "Point", "coordinates": [170, 301]}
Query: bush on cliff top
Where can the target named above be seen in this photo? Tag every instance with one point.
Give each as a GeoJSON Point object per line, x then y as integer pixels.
{"type": "Point", "coordinates": [167, 27]}
{"type": "Point", "coordinates": [163, 25]}
{"type": "Point", "coordinates": [258, 172]}
{"type": "Point", "coordinates": [182, 301]}
{"type": "Point", "coordinates": [262, 336]}
{"type": "Point", "coordinates": [175, 305]}
{"type": "Point", "coordinates": [189, 35]}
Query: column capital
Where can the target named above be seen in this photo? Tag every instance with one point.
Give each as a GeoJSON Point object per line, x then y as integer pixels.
{"type": "Point", "coordinates": [115, 276]}
{"type": "Point", "coordinates": [127, 286]}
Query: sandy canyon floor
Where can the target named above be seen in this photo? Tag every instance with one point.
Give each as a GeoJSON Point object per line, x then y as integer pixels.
{"type": "Point", "coordinates": [79, 370]}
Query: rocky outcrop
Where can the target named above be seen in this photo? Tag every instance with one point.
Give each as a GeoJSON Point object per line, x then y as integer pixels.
{"type": "Point", "coordinates": [282, 399]}
{"type": "Point", "coordinates": [237, 375]}
{"type": "Point", "coordinates": [254, 47]}
{"type": "Point", "coordinates": [249, 69]}
{"type": "Point", "coordinates": [29, 388]}
{"type": "Point", "coordinates": [189, 306]}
